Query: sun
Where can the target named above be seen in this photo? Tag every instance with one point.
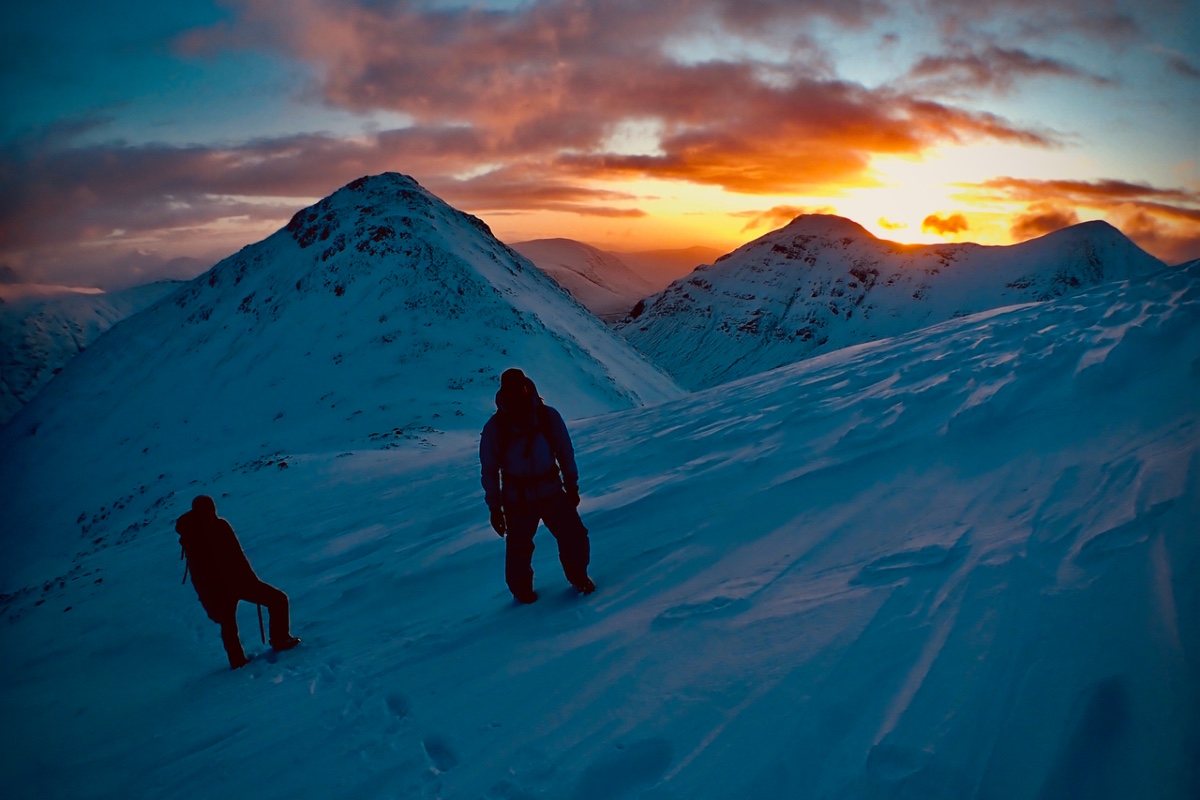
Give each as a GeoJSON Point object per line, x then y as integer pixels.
{"type": "Point", "coordinates": [905, 197]}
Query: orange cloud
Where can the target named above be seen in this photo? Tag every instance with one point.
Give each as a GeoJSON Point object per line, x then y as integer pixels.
{"type": "Point", "coordinates": [1101, 190]}
{"type": "Point", "coordinates": [1164, 221]}
{"type": "Point", "coordinates": [776, 216]}
{"type": "Point", "coordinates": [951, 224]}
{"type": "Point", "coordinates": [1042, 218]}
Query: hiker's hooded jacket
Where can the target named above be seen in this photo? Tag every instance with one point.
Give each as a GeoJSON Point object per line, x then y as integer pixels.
{"type": "Point", "coordinates": [525, 452]}
{"type": "Point", "coordinates": [216, 561]}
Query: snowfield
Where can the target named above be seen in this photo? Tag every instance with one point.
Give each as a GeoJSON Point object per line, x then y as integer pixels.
{"type": "Point", "coordinates": [955, 563]}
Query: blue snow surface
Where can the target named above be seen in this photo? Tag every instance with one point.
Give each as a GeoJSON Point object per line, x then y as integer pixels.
{"type": "Point", "coordinates": [958, 563]}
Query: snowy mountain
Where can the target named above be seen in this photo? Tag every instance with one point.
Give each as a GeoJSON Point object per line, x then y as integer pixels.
{"type": "Point", "coordinates": [378, 317]}
{"type": "Point", "coordinates": [40, 331]}
{"type": "Point", "coordinates": [957, 563]}
{"type": "Point", "coordinates": [598, 279]}
{"type": "Point", "coordinates": [823, 282]}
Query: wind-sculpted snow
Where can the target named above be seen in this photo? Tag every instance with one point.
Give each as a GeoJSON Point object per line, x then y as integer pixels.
{"type": "Point", "coordinates": [823, 282]}
{"type": "Point", "coordinates": [379, 317]}
{"type": "Point", "coordinates": [957, 563]}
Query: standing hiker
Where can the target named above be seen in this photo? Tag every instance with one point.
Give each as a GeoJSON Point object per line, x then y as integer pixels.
{"type": "Point", "coordinates": [529, 476]}
{"type": "Point", "coordinates": [222, 576]}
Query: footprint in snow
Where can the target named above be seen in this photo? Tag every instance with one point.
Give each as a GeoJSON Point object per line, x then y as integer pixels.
{"type": "Point", "coordinates": [713, 607]}
{"type": "Point", "coordinates": [625, 771]}
{"type": "Point", "coordinates": [441, 756]}
{"type": "Point", "coordinates": [397, 704]}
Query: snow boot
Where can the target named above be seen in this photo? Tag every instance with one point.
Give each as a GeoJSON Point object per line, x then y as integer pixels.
{"type": "Point", "coordinates": [584, 585]}
{"type": "Point", "coordinates": [285, 644]}
{"type": "Point", "coordinates": [238, 663]}
{"type": "Point", "coordinates": [525, 598]}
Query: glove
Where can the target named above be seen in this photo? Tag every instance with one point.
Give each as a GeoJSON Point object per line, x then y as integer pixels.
{"type": "Point", "coordinates": [498, 521]}
{"type": "Point", "coordinates": [573, 495]}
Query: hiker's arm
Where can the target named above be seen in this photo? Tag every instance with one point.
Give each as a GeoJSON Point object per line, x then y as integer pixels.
{"type": "Point", "coordinates": [489, 465]}
{"type": "Point", "coordinates": [564, 451]}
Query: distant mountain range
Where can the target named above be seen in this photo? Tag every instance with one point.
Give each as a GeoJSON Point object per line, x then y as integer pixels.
{"type": "Point", "coordinates": [44, 327]}
{"type": "Point", "coordinates": [609, 283]}
{"type": "Point", "coordinates": [598, 279]}
{"type": "Point", "coordinates": [823, 282]}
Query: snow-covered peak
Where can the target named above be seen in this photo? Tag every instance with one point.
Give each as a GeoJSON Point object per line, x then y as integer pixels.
{"type": "Point", "coordinates": [827, 225]}
{"type": "Point", "coordinates": [823, 282]}
{"type": "Point", "coordinates": [379, 197]}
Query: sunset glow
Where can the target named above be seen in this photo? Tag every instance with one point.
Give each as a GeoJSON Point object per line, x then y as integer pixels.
{"type": "Point", "coordinates": [625, 125]}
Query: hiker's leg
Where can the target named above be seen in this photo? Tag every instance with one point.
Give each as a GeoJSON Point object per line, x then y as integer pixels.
{"type": "Point", "coordinates": [574, 548]}
{"type": "Point", "coordinates": [522, 522]}
{"type": "Point", "coordinates": [277, 607]}
{"type": "Point", "coordinates": [226, 617]}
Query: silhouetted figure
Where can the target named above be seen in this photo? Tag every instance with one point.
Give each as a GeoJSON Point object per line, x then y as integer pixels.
{"type": "Point", "coordinates": [222, 576]}
{"type": "Point", "coordinates": [529, 476]}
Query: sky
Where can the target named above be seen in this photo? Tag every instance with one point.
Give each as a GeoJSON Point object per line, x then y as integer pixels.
{"type": "Point", "coordinates": [145, 139]}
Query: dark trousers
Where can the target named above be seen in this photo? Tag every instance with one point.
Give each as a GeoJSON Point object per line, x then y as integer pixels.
{"type": "Point", "coordinates": [259, 593]}
{"type": "Point", "coordinates": [560, 516]}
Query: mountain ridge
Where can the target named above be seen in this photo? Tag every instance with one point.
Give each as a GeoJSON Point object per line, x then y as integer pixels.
{"type": "Point", "coordinates": [822, 282]}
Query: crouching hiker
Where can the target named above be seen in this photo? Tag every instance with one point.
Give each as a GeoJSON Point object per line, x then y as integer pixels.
{"type": "Point", "coordinates": [529, 476]}
{"type": "Point", "coordinates": [222, 576]}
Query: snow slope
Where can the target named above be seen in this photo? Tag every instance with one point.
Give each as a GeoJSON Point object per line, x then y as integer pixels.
{"type": "Point", "coordinates": [957, 563]}
{"type": "Point", "coordinates": [377, 317]}
{"type": "Point", "coordinates": [41, 332]}
{"type": "Point", "coordinates": [597, 279]}
{"type": "Point", "coordinates": [823, 282]}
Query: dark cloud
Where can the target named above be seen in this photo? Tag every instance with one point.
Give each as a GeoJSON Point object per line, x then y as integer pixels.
{"type": "Point", "coordinates": [1182, 66]}
{"type": "Point", "coordinates": [1042, 218]}
{"type": "Point", "coordinates": [1106, 21]}
{"type": "Point", "coordinates": [758, 15]}
{"type": "Point", "coordinates": [112, 195]}
{"type": "Point", "coordinates": [942, 225]}
{"type": "Point", "coordinates": [9, 276]}
{"type": "Point", "coordinates": [1099, 191]}
{"type": "Point", "coordinates": [991, 68]}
